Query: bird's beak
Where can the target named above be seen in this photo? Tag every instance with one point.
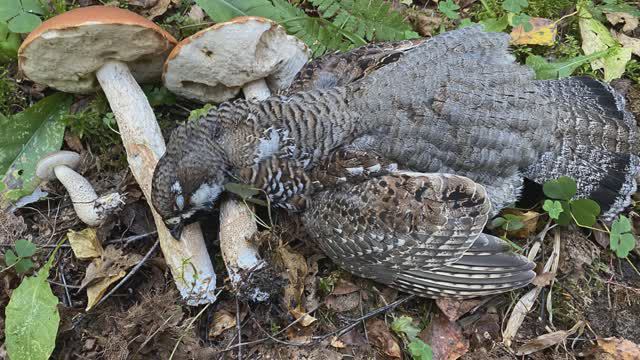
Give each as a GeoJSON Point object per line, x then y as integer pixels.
{"type": "Point", "coordinates": [176, 230]}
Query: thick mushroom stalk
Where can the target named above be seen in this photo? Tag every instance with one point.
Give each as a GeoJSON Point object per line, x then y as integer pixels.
{"type": "Point", "coordinates": [188, 258]}
{"type": "Point", "coordinates": [91, 209]}
{"type": "Point", "coordinates": [69, 52]}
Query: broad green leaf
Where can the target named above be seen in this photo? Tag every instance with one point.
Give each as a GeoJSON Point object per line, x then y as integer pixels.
{"type": "Point", "coordinates": [25, 138]}
{"type": "Point", "coordinates": [565, 216]}
{"type": "Point", "coordinates": [9, 44]}
{"type": "Point", "coordinates": [557, 70]}
{"type": "Point", "coordinates": [9, 9]}
{"type": "Point", "coordinates": [449, 9]}
{"type": "Point", "coordinates": [225, 10]}
{"type": "Point", "coordinates": [585, 211]}
{"type": "Point", "coordinates": [553, 207]}
{"type": "Point", "coordinates": [419, 350]}
{"type": "Point", "coordinates": [404, 324]}
{"type": "Point", "coordinates": [495, 24]}
{"type": "Point", "coordinates": [622, 244]}
{"type": "Point", "coordinates": [498, 222]}
{"type": "Point", "coordinates": [10, 257]}
{"type": "Point", "coordinates": [562, 188]}
{"type": "Point", "coordinates": [24, 23]}
{"type": "Point", "coordinates": [621, 225]}
{"type": "Point", "coordinates": [514, 6]}
{"type": "Point", "coordinates": [596, 37]}
{"type": "Point", "coordinates": [23, 265]}
{"type": "Point", "coordinates": [522, 19]}
{"type": "Point", "coordinates": [31, 319]}
{"type": "Point", "coordinates": [32, 6]}
{"type": "Point", "coordinates": [25, 248]}
{"type": "Point", "coordinates": [514, 222]}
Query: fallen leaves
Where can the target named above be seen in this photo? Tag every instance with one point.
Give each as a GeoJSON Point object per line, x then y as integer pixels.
{"type": "Point", "coordinates": [445, 338]}
{"type": "Point", "coordinates": [619, 349]}
{"type": "Point", "coordinates": [85, 243]}
{"type": "Point", "coordinates": [630, 22]}
{"type": "Point", "coordinates": [547, 340]}
{"type": "Point", "coordinates": [454, 308]}
{"type": "Point", "coordinates": [222, 321]}
{"type": "Point", "coordinates": [543, 32]}
{"type": "Point", "coordinates": [152, 8]}
{"type": "Point", "coordinates": [296, 270]}
{"type": "Point", "coordinates": [382, 339]}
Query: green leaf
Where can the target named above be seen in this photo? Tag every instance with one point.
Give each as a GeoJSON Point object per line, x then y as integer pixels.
{"type": "Point", "coordinates": [514, 6]}
{"type": "Point", "coordinates": [32, 6]}
{"type": "Point", "coordinates": [565, 216]}
{"type": "Point", "coordinates": [585, 211]}
{"type": "Point", "coordinates": [563, 188]}
{"type": "Point", "coordinates": [159, 95]}
{"type": "Point", "coordinates": [621, 240]}
{"type": "Point", "coordinates": [419, 350]}
{"type": "Point", "coordinates": [243, 190]}
{"type": "Point", "coordinates": [25, 138]}
{"type": "Point", "coordinates": [553, 207]}
{"type": "Point", "coordinates": [24, 23]}
{"type": "Point", "coordinates": [514, 222]}
{"type": "Point", "coordinates": [449, 9]}
{"type": "Point", "coordinates": [498, 222]}
{"type": "Point", "coordinates": [404, 325]}
{"type": "Point", "coordinates": [522, 19]}
{"type": "Point", "coordinates": [560, 69]}
{"type": "Point", "coordinates": [25, 248]}
{"type": "Point", "coordinates": [9, 9]}
{"type": "Point", "coordinates": [495, 24]}
{"type": "Point", "coordinates": [32, 319]}
{"type": "Point", "coordinates": [24, 265]}
{"type": "Point", "coordinates": [9, 44]}
{"type": "Point", "coordinates": [198, 113]}
{"type": "Point", "coordinates": [10, 257]}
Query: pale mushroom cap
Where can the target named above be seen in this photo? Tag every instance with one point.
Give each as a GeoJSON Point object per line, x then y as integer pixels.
{"type": "Point", "coordinates": [44, 168]}
{"type": "Point", "coordinates": [213, 64]}
{"type": "Point", "coordinates": [66, 51]}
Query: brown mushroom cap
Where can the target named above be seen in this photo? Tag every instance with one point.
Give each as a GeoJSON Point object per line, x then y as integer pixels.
{"type": "Point", "coordinates": [44, 168]}
{"type": "Point", "coordinates": [66, 51]}
{"type": "Point", "coordinates": [213, 64]}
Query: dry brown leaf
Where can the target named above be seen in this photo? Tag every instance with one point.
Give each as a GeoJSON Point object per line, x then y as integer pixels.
{"type": "Point", "coordinates": [630, 22]}
{"type": "Point", "coordinates": [151, 8]}
{"type": "Point", "coordinates": [445, 338]}
{"type": "Point", "coordinates": [344, 287]}
{"type": "Point", "coordinates": [543, 33]}
{"type": "Point", "coordinates": [337, 343]}
{"type": "Point", "coordinates": [342, 303]}
{"type": "Point", "coordinates": [295, 268]}
{"type": "Point", "coordinates": [105, 270]}
{"type": "Point", "coordinates": [543, 279]}
{"type": "Point", "coordinates": [299, 312]}
{"type": "Point", "coordinates": [222, 321]}
{"type": "Point", "coordinates": [454, 308]}
{"type": "Point", "coordinates": [628, 42]}
{"type": "Point", "coordinates": [547, 340]}
{"type": "Point", "coordinates": [85, 243]}
{"type": "Point", "coordinates": [382, 338]}
{"type": "Point", "coordinates": [620, 349]}
{"type": "Point", "coordinates": [528, 218]}
{"type": "Point", "coordinates": [73, 142]}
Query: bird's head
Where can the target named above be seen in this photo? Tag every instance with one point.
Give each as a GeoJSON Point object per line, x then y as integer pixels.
{"type": "Point", "coordinates": [189, 178]}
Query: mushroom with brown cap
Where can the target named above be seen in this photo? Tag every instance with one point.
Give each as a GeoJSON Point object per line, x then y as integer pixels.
{"type": "Point", "coordinates": [95, 47]}
{"type": "Point", "coordinates": [90, 208]}
{"type": "Point", "coordinates": [248, 53]}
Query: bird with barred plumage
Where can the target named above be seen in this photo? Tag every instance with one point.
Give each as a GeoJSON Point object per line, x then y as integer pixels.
{"type": "Point", "coordinates": [331, 148]}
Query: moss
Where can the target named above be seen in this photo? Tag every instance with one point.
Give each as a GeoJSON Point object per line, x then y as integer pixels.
{"type": "Point", "coordinates": [12, 99]}
{"type": "Point", "coordinates": [551, 9]}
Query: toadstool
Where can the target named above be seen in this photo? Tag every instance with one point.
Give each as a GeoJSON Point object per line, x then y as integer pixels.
{"type": "Point", "coordinates": [90, 208]}
{"type": "Point", "coordinates": [95, 47]}
{"type": "Point", "coordinates": [248, 53]}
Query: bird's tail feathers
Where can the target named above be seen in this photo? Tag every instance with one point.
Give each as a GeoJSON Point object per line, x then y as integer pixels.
{"type": "Point", "coordinates": [595, 144]}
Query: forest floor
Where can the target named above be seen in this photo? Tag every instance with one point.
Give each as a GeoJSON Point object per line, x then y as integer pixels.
{"type": "Point", "coordinates": [585, 304]}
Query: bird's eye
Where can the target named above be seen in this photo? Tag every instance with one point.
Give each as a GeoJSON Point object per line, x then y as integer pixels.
{"type": "Point", "coordinates": [180, 202]}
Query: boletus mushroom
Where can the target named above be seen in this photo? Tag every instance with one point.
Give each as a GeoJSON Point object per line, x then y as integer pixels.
{"type": "Point", "coordinates": [100, 47]}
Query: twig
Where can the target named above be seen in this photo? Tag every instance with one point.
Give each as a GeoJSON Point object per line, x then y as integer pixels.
{"type": "Point", "coordinates": [64, 282]}
{"type": "Point", "coordinates": [239, 328]}
{"type": "Point", "coordinates": [130, 274]}
{"type": "Point", "coordinates": [130, 239]}
{"type": "Point", "coordinates": [173, 352]}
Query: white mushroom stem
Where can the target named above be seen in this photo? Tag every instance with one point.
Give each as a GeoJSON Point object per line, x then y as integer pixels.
{"type": "Point", "coordinates": [188, 258]}
{"type": "Point", "coordinates": [89, 208]}
{"type": "Point", "coordinates": [256, 90]}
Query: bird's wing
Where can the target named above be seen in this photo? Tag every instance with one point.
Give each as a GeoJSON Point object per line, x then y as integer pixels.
{"type": "Point", "coordinates": [341, 68]}
{"type": "Point", "coordinates": [404, 221]}
{"type": "Point", "coordinates": [420, 233]}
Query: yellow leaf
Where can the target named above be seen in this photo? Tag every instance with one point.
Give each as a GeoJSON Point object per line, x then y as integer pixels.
{"type": "Point", "coordinates": [95, 291]}
{"type": "Point", "coordinates": [222, 320]}
{"type": "Point", "coordinates": [299, 312]}
{"type": "Point", "coordinates": [85, 243]}
{"type": "Point", "coordinates": [543, 33]}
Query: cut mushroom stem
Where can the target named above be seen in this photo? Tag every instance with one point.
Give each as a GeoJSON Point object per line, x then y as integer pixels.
{"type": "Point", "coordinates": [91, 209]}
{"type": "Point", "coordinates": [256, 90]}
{"type": "Point", "coordinates": [69, 52]}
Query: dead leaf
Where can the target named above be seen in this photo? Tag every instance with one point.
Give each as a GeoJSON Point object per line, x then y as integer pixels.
{"type": "Point", "coordinates": [196, 14]}
{"type": "Point", "coordinates": [295, 268]}
{"type": "Point", "coordinates": [528, 218]}
{"type": "Point", "coordinates": [344, 287]}
{"type": "Point", "coordinates": [454, 308]}
{"type": "Point", "coordinates": [342, 303]}
{"type": "Point", "coordinates": [628, 42]}
{"type": "Point", "coordinates": [630, 22]}
{"type": "Point", "coordinates": [85, 243]}
{"type": "Point", "coordinates": [547, 340]}
{"type": "Point", "coordinates": [103, 271]}
{"type": "Point", "coordinates": [337, 343]}
{"type": "Point", "coordinates": [299, 312]}
{"type": "Point", "coordinates": [73, 142]}
{"type": "Point", "coordinates": [620, 349]}
{"type": "Point", "coordinates": [382, 338]}
{"type": "Point", "coordinates": [445, 338]}
{"type": "Point", "coordinates": [543, 33]}
{"type": "Point", "coordinates": [151, 8]}
{"type": "Point", "coordinates": [425, 22]}
{"type": "Point", "coordinates": [543, 279]}
{"type": "Point", "coordinates": [222, 320]}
